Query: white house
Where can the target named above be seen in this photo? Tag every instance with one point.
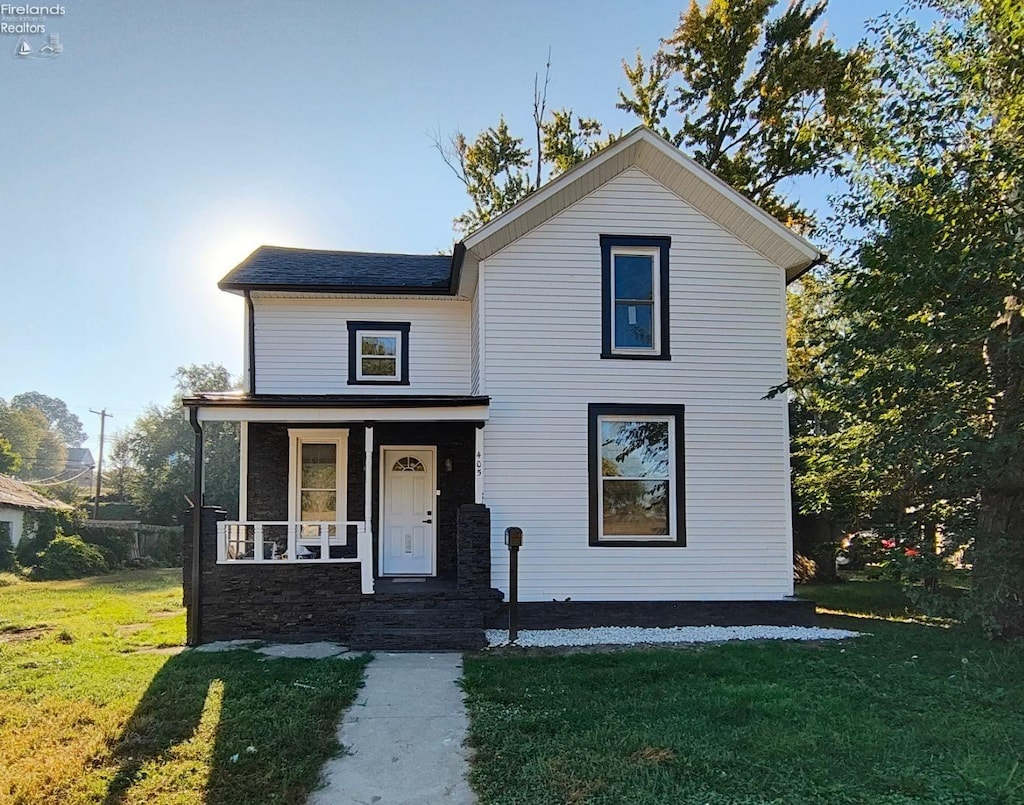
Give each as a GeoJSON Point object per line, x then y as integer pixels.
{"type": "Point", "coordinates": [17, 498]}
{"type": "Point", "coordinates": [591, 366]}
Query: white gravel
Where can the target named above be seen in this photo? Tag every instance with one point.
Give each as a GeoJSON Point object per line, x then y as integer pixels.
{"type": "Point", "coordinates": [630, 635]}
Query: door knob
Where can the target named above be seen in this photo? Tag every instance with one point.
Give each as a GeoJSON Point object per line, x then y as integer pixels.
{"type": "Point", "coordinates": [428, 521]}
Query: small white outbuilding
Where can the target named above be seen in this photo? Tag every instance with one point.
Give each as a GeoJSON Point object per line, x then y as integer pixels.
{"type": "Point", "coordinates": [16, 498]}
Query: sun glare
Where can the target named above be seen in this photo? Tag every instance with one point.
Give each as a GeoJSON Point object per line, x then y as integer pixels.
{"type": "Point", "coordinates": [225, 236]}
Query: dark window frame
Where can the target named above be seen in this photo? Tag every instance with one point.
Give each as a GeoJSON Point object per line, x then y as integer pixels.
{"type": "Point", "coordinates": [662, 244]}
{"type": "Point", "coordinates": [400, 327]}
{"type": "Point", "coordinates": [676, 413]}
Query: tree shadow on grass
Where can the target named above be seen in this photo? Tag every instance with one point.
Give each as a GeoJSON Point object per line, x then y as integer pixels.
{"type": "Point", "coordinates": [232, 727]}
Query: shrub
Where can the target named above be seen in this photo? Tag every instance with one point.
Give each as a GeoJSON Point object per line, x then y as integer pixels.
{"type": "Point", "coordinates": [115, 544]}
{"type": "Point", "coordinates": [7, 560]}
{"type": "Point", "coordinates": [863, 549]}
{"type": "Point", "coordinates": [43, 527]}
{"type": "Point", "coordinates": [804, 569]}
{"type": "Point", "coordinates": [68, 558]}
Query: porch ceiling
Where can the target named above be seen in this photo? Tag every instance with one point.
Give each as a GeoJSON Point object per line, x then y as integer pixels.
{"type": "Point", "coordinates": [338, 408]}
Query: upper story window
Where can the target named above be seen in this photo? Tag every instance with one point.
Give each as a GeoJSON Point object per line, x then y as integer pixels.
{"type": "Point", "coordinates": [634, 297]}
{"type": "Point", "coordinates": [378, 353]}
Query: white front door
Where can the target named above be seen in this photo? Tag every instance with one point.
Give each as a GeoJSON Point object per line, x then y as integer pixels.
{"type": "Point", "coordinates": [409, 512]}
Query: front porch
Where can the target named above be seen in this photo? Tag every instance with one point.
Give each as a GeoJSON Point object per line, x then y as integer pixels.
{"type": "Point", "coordinates": [369, 532]}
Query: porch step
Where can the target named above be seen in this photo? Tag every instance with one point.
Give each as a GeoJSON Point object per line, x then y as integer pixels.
{"type": "Point", "coordinates": [398, 639]}
{"type": "Point", "coordinates": [461, 616]}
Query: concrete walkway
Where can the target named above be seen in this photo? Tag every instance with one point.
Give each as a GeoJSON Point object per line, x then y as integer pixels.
{"type": "Point", "coordinates": [404, 736]}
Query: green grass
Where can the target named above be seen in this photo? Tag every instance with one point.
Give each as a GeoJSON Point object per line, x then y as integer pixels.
{"type": "Point", "coordinates": [95, 706]}
{"type": "Point", "coordinates": [912, 713]}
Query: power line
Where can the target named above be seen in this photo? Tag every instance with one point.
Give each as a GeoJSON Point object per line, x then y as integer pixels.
{"type": "Point", "coordinates": [51, 482]}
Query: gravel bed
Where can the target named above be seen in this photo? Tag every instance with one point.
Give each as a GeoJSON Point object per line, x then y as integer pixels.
{"type": "Point", "coordinates": [630, 635]}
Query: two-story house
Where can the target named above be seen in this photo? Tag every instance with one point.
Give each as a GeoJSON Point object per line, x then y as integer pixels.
{"type": "Point", "coordinates": [590, 366]}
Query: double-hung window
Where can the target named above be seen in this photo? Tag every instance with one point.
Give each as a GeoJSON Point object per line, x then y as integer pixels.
{"type": "Point", "coordinates": [378, 352]}
{"type": "Point", "coordinates": [317, 488]}
{"type": "Point", "coordinates": [635, 303]}
{"type": "Point", "coordinates": [636, 475]}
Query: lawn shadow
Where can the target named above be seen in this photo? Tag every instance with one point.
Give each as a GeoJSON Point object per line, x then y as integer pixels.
{"type": "Point", "coordinates": [233, 727]}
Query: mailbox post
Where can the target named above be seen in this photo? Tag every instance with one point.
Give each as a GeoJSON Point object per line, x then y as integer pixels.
{"type": "Point", "coordinates": [514, 540]}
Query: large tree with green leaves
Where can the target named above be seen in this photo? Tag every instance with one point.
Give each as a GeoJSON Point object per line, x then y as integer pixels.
{"type": "Point", "coordinates": [36, 450]}
{"type": "Point", "coordinates": [57, 415]}
{"type": "Point", "coordinates": [927, 338]}
{"type": "Point", "coordinates": [755, 99]}
{"type": "Point", "coordinates": [160, 447]}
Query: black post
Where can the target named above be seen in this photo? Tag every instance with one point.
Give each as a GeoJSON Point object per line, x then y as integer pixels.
{"type": "Point", "coordinates": [192, 626]}
{"type": "Point", "coordinates": [513, 593]}
{"type": "Point", "coordinates": [514, 539]}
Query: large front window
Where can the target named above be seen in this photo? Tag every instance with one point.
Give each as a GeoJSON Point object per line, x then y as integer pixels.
{"type": "Point", "coordinates": [636, 490]}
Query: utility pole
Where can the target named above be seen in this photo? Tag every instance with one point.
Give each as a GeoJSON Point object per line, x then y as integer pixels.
{"type": "Point", "coordinates": [99, 468]}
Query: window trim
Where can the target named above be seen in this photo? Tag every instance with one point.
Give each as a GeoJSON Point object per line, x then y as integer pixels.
{"type": "Point", "coordinates": [632, 244]}
{"type": "Point", "coordinates": [677, 476]}
{"type": "Point", "coordinates": [399, 329]}
{"type": "Point", "coordinates": [337, 436]}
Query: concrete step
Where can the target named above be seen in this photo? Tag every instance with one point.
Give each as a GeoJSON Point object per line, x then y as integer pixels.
{"type": "Point", "coordinates": [418, 639]}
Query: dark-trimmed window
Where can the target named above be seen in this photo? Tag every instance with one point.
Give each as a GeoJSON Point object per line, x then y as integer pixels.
{"type": "Point", "coordinates": [378, 353]}
{"type": "Point", "coordinates": [636, 475]}
{"type": "Point", "coordinates": [634, 297]}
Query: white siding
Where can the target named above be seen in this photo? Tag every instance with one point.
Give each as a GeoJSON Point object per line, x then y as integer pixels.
{"type": "Point", "coordinates": [542, 331]}
{"type": "Point", "coordinates": [302, 344]}
{"type": "Point", "coordinates": [16, 518]}
{"type": "Point", "coordinates": [476, 335]}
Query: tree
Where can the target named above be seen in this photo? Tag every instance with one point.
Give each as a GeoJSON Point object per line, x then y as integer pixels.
{"type": "Point", "coordinates": [120, 471]}
{"type": "Point", "coordinates": [499, 171]}
{"type": "Point", "coordinates": [41, 451]}
{"type": "Point", "coordinates": [757, 101]}
{"type": "Point", "coordinates": [9, 460]}
{"type": "Point", "coordinates": [57, 414]}
{"type": "Point", "coordinates": [927, 342]}
{"type": "Point", "coordinates": [160, 445]}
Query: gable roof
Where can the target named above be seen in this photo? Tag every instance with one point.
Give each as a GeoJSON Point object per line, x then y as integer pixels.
{"type": "Point", "coordinates": [278, 268]}
{"type": "Point", "coordinates": [665, 163]}
{"type": "Point", "coordinates": [80, 455]}
{"type": "Point", "coordinates": [19, 495]}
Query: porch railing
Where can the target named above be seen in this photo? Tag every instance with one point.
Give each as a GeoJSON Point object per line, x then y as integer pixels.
{"type": "Point", "coordinates": [277, 542]}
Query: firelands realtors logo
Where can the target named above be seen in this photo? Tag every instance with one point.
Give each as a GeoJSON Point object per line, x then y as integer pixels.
{"type": "Point", "coordinates": [33, 27]}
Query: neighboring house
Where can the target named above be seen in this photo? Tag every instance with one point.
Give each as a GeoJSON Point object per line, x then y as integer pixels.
{"type": "Point", "coordinates": [16, 498]}
{"type": "Point", "coordinates": [80, 467]}
{"type": "Point", "coordinates": [591, 366]}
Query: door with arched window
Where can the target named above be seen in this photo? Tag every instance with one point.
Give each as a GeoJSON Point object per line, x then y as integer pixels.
{"type": "Point", "coordinates": [408, 512]}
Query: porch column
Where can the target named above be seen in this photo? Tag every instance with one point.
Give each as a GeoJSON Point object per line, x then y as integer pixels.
{"type": "Point", "coordinates": [478, 465]}
{"type": "Point", "coordinates": [243, 471]}
{"type": "Point", "coordinates": [368, 485]}
{"type": "Point", "coordinates": [366, 543]}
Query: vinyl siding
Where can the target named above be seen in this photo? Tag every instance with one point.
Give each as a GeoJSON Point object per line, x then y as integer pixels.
{"type": "Point", "coordinates": [542, 331]}
{"type": "Point", "coordinates": [475, 325]}
{"type": "Point", "coordinates": [302, 344]}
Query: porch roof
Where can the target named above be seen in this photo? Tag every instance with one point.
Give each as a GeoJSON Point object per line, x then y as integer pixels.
{"type": "Point", "coordinates": [234, 407]}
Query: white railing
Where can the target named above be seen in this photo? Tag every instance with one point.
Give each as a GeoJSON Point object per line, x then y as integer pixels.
{"type": "Point", "coordinates": [290, 542]}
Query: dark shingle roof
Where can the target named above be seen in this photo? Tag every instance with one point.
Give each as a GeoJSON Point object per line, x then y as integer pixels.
{"type": "Point", "coordinates": [276, 268]}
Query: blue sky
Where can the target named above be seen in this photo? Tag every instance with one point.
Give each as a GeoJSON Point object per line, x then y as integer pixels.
{"type": "Point", "coordinates": [170, 139]}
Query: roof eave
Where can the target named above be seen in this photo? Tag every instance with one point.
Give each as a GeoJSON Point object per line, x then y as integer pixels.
{"type": "Point", "coordinates": [403, 290]}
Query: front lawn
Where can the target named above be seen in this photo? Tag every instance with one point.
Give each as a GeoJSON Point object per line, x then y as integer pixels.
{"type": "Point", "coordinates": [98, 704]}
{"type": "Point", "coordinates": [911, 713]}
